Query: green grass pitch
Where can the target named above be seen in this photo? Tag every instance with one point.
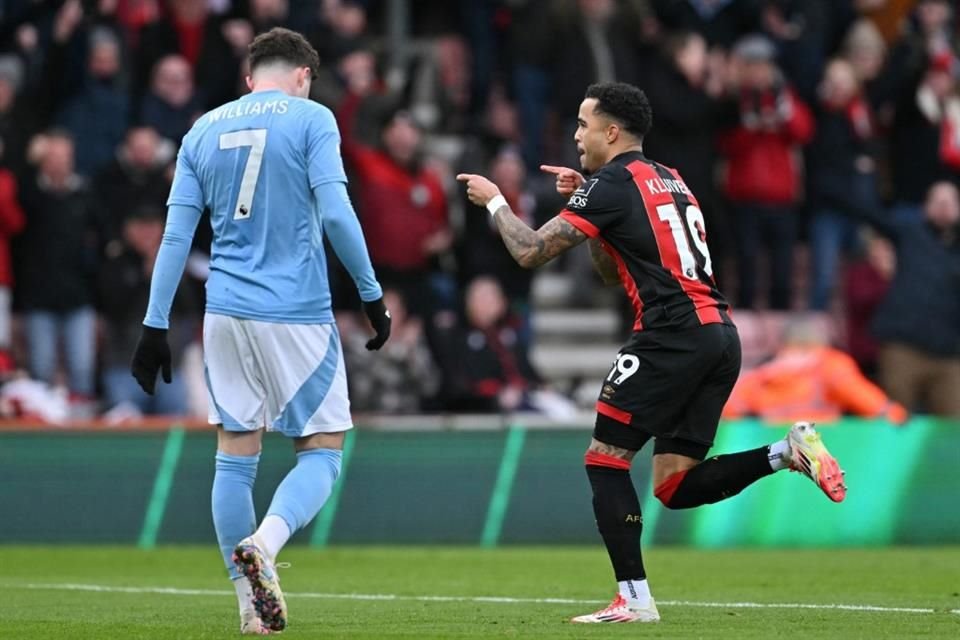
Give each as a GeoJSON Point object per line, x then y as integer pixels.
{"type": "Point", "coordinates": [47, 592]}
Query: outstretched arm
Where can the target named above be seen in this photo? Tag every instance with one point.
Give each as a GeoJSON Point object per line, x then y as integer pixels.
{"type": "Point", "coordinates": [530, 248]}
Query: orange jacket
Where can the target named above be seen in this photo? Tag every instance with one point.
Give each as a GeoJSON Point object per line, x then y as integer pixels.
{"type": "Point", "coordinates": [818, 384]}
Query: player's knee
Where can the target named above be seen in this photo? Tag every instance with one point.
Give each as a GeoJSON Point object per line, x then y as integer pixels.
{"type": "Point", "coordinates": [665, 491]}
{"type": "Point", "coordinates": [593, 458]}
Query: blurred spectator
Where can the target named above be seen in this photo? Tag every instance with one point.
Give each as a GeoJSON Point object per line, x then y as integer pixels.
{"type": "Point", "coordinates": [11, 223]}
{"type": "Point", "coordinates": [764, 170]}
{"type": "Point", "coordinates": [124, 284]}
{"type": "Point", "coordinates": [172, 105]}
{"type": "Point", "coordinates": [400, 378]}
{"type": "Point", "coordinates": [135, 179]}
{"type": "Point", "coordinates": [213, 45]}
{"type": "Point", "coordinates": [482, 251]}
{"type": "Point", "coordinates": [918, 323]}
{"type": "Point", "coordinates": [685, 96]}
{"type": "Point", "coordinates": [592, 44]}
{"type": "Point", "coordinates": [402, 207]}
{"type": "Point", "coordinates": [866, 51]}
{"type": "Point", "coordinates": [267, 14]}
{"type": "Point", "coordinates": [720, 21]}
{"type": "Point", "coordinates": [842, 175]}
{"type": "Point", "coordinates": [530, 38]}
{"type": "Point", "coordinates": [440, 87]}
{"type": "Point", "coordinates": [800, 30]}
{"type": "Point", "coordinates": [809, 380]}
{"type": "Point", "coordinates": [486, 368]}
{"type": "Point", "coordinates": [15, 118]}
{"type": "Point", "coordinates": [926, 137]}
{"type": "Point", "coordinates": [97, 116]}
{"type": "Point", "coordinates": [56, 266]}
{"type": "Point", "coordinates": [342, 25]}
{"type": "Point", "coordinates": [866, 282]}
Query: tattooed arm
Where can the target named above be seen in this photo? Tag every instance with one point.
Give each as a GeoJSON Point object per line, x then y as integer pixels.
{"type": "Point", "coordinates": [528, 247]}
{"type": "Point", "coordinates": [603, 263]}
{"type": "Point", "coordinates": [533, 248]}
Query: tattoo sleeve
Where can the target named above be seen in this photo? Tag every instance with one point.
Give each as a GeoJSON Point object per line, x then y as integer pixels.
{"type": "Point", "coordinates": [533, 248]}
{"type": "Point", "coordinates": [603, 263]}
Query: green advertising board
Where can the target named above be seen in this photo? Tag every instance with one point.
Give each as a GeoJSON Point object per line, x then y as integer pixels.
{"type": "Point", "coordinates": [485, 487]}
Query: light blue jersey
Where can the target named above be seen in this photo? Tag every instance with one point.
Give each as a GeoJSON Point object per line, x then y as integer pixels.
{"type": "Point", "coordinates": [268, 168]}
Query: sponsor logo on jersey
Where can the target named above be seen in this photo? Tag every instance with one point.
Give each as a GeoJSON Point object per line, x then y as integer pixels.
{"type": "Point", "coordinates": [579, 197]}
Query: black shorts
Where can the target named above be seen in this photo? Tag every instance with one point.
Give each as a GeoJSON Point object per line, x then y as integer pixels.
{"type": "Point", "coordinates": [670, 385]}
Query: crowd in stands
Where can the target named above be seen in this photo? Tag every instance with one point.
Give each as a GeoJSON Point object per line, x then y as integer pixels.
{"type": "Point", "coordinates": [821, 137]}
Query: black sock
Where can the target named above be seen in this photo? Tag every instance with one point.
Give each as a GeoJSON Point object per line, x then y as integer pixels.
{"type": "Point", "coordinates": [714, 479]}
{"type": "Point", "coordinates": [617, 509]}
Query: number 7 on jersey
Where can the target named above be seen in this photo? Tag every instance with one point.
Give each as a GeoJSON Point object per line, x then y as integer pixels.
{"type": "Point", "coordinates": [256, 139]}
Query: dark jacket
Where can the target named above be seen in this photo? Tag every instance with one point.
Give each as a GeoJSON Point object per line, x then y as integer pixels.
{"type": "Point", "coordinates": [124, 288]}
{"type": "Point", "coordinates": [121, 190]}
{"type": "Point", "coordinates": [915, 152]}
{"type": "Point", "coordinates": [922, 307]}
{"type": "Point", "coordinates": [686, 121]}
{"type": "Point", "coordinates": [844, 138]}
{"type": "Point", "coordinates": [55, 258]}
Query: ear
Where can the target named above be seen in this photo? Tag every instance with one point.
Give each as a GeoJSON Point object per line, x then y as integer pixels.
{"type": "Point", "coordinates": [249, 80]}
{"type": "Point", "coordinates": [612, 133]}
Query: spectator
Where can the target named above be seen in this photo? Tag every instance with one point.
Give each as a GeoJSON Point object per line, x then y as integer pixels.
{"type": "Point", "coordinates": [485, 365]}
{"type": "Point", "coordinates": [924, 134]}
{"type": "Point", "coordinates": [763, 171]}
{"type": "Point", "coordinates": [135, 179]}
{"type": "Point", "coordinates": [56, 266]}
{"type": "Point", "coordinates": [214, 46]}
{"type": "Point", "coordinates": [918, 323]}
{"type": "Point", "coordinates": [842, 175]}
{"type": "Point", "coordinates": [400, 378]}
{"type": "Point", "coordinates": [866, 282]}
{"type": "Point", "coordinates": [342, 25]}
{"type": "Point", "coordinates": [267, 14]}
{"type": "Point", "coordinates": [865, 50]}
{"type": "Point", "coordinates": [594, 43]}
{"type": "Point", "coordinates": [809, 380]}
{"type": "Point", "coordinates": [403, 209]}
{"type": "Point", "coordinates": [124, 284]}
{"type": "Point", "coordinates": [15, 118]}
{"type": "Point", "coordinates": [11, 223]}
{"type": "Point", "coordinates": [172, 105]}
{"type": "Point", "coordinates": [481, 251]}
{"type": "Point", "coordinates": [685, 96]}
{"type": "Point", "coordinates": [97, 116]}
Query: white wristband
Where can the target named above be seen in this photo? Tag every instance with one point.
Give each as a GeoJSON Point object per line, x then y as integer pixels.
{"type": "Point", "coordinates": [495, 203]}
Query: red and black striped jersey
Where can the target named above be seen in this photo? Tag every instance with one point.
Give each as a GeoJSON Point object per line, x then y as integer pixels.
{"type": "Point", "coordinates": [649, 222]}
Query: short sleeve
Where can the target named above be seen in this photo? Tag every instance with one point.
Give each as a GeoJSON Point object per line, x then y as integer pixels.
{"type": "Point", "coordinates": [595, 206]}
{"type": "Point", "coordinates": [186, 189]}
{"type": "Point", "coordinates": [324, 162]}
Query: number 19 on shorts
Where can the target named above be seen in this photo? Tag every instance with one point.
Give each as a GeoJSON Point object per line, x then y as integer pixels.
{"type": "Point", "coordinates": [624, 366]}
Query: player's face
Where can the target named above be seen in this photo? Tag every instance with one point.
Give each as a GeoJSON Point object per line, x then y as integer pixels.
{"type": "Point", "coordinates": [591, 136]}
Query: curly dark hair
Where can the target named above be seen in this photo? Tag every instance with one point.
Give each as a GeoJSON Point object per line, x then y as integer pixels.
{"type": "Point", "coordinates": [283, 45]}
{"type": "Point", "coordinates": [624, 103]}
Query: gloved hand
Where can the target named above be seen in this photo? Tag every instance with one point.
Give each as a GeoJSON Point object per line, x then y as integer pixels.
{"type": "Point", "coordinates": [379, 317]}
{"type": "Point", "coordinates": [152, 355]}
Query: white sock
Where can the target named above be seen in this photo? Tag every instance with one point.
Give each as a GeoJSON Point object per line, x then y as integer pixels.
{"type": "Point", "coordinates": [272, 535]}
{"type": "Point", "coordinates": [778, 451]}
{"type": "Point", "coordinates": [244, 594]}
{"type": "Point", "coordinates": [635, 592]}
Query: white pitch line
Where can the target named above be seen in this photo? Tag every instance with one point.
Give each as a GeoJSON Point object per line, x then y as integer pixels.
{"type": "Point", "coordinates": [491, 599]}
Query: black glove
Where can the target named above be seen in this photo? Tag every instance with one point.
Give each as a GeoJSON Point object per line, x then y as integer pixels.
{"type": "Point", "coordinates": [151, 356]}
{"type": "Point", "coordinates": [379, 317]}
